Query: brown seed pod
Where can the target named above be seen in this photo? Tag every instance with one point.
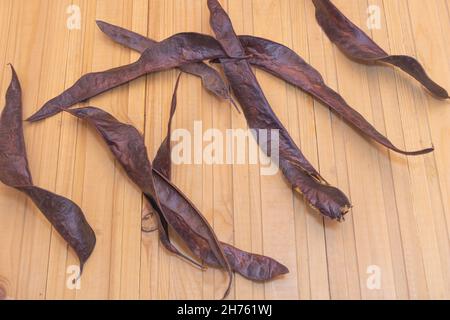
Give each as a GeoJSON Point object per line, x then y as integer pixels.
{"type": "Point", "coordinates": [64, 215]}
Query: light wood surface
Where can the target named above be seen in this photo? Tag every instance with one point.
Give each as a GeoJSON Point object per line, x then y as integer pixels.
{"type": "Point", "coordinates": [400, 223]}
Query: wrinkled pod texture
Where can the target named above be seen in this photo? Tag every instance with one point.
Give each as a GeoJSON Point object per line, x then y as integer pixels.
{"type": "Point", "coordinates": [357, 45]}
{"type": "Point", "coordinates": [211, 79]}
{"type": "Point", "coordinates": [328, 200]}
{"type": "Point", "coordinates": [127, 145]}
{"type": "Point", "coordinates": [64, 215]}
{"type": "Point", "coordinates": [283, 63]}
{"type": "Point", "coordinates": [176, 51]}
{"type": "Point", "coordinates": [185, 48]}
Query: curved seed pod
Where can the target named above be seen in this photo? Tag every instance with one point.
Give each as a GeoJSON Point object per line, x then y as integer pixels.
{"type": "Point", "coordinates": [184, 213]}
{"type": "Point", "coordinates": [127, 145]}
{"type": "Point", "coordinates": [251, 266]}
{"type": "Point", "coordinates": [178, 50]}
{"type": "Point", "coordinates": [330, 201]}
{"type": "Point", "coordinates": [357, 45]}
{"type": "Point", "coordinates": [211, 79]}
{"type": "Point", "coordinates": [164, 237]}
{"type": "Point", "coordinates": [284, 63]}
{"type": "Point", "coordinates": [64, 215]}
{"type": "Point", "coordinates": [163, 161]}
{"type": "Point", "coordinates": [163, 225]}
{"type": "Point", "coordinates": [173, 201]}
{"type": "Point", "coordinates": [223, 29]}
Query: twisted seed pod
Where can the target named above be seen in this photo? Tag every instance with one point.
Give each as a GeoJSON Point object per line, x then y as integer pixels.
{"type": "Point", "coordinates": [64, 215]}
{"type": "Point", "coordinates": [357, 45]}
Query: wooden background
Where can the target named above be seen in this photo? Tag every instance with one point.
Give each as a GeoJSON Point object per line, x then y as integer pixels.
{"type": "Point", "coordinates": [401, 219]}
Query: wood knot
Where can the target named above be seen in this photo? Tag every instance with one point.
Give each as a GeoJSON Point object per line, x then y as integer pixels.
{"type": "Point", "coordinates": [2, 293]}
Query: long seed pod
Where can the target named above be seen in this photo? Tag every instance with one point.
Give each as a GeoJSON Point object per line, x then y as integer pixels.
{"type": "Point", "coordinates": [283, 63]}
{"type": "Point", "coordinates": [357, 45]}
{"type": "Point", "coordinates": [251, 266]}
{"type": "Point", "coordinates": [127, 145]}
{"type": "Point", "coordinates": [64, 215]}
{"type": "Point", "coordinates": [211, 79]}
{"type": "Point", "coordinates": [161, 213]}
{"type": "Point", "coordinates": [330, 201]}
{"type": "Point", "coordinates": [176, 51]}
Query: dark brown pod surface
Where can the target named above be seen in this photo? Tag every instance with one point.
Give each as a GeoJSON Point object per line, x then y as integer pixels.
{"type": "Point", "coordinates": [211, 79]}
{"type": "Point", "coordinates": [176, 51]}
{"type": "Point", "coordinates": [163, 160]}
{"type": "Point", "coordinates": [283, 63]}
{"type": "Point", "coordinates": [251, 266]}
{"type": "Point", "coordinates": [64, 215]}
{"type": "Point", "coordinates": [357, 45]}
{"type": "Point", "coordinates": [330, 201]}
{"type": "Point", "coordinates": [128, 147]}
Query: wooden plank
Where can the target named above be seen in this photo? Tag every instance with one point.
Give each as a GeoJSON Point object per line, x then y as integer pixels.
{"type": "Point", "coordinates": [128, 196]}
{"type": "Point", "coordinates": [154, 259]}
{"type": "Point", "coordinates": [99, 166]}
{"type": "Point", "coordinates": [208, 104]}
{"type": "Point", "coordinates": [340, 238]}
{"type": "Point", "coordinates": [309, 225]}
{"type": "Point", "coordinates": [370, 227]}
{"type": "Point", "coordinates": [278, 214]}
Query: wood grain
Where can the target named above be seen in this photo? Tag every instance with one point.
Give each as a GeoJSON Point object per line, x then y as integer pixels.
{"type": "Point", "coordinates": [400, 224]}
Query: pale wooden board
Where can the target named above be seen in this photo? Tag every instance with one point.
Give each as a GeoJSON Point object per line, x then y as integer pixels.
{"type": "Point", "coordinates": [401, 219]}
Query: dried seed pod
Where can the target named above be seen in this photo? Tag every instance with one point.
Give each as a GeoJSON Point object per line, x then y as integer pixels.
{"type": "Point", "coordinates": [357, 45]}
{"type": "Point", "coordinates": [284, 63]}
{"type": "Point", "coordinates": [64, 215]}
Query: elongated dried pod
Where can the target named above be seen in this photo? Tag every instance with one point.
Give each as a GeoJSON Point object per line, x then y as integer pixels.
{"type": "Point", "coordinates": [211, 79]}
{"type": "Point", "coordinates": [305, 179]}
{"type": "Point", "coordinates": [328, 200]}
{"type": "Point", "coordinates": [176, 51]}
{"type": "Point", "coordinates": [128, 147]}
{"type": "Point", "coordinates": [64, 215]}
{"type": "Point", "coordinates": [163, 225]}
{"type": "Point", "coordinates": [251, 266]}
{"type": "Point", "coordinates": [357, 45]}
{"type": "Point", "coordinates": [283, 63]}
